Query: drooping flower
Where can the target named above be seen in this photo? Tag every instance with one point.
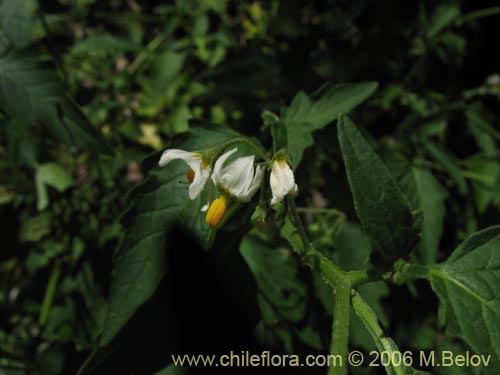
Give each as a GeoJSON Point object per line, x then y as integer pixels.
{"type": "Point", "coordinates": [282, 181]}
{"type": "Point", "coordinates": [199, 172]}
{"type": "Point", "coordinates": [238, 180]}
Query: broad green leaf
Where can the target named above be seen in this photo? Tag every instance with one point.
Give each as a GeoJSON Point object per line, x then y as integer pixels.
{"type": "Point", "coordinates": [467, 287]}
{"type": "Point", "coordinates": [305, 114]}
{"type": "Point", "coordinates": [275, 270]}
{"type": "Point", "coordinates": [282, 296]}
{"type": "Point", "coordinates": [31, 94]}
{"type": "Point", "coordinates": [50, 174]}
{"type": "Point", "coordinates": [16, 19]}
{"type": "Point", "coordinates": [382, 208]}
{"type": "Point", "coordinates": [141, 260]}
{"type": "Point", "coordinates": [425, 193]}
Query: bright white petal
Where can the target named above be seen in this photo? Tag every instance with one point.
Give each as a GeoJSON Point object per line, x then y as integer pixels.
{"type": "Point", "coordinates": [219, 164]}
{"type": "Point", "coordinates": [239, 175]}
{"type": "Point", "coordinates": [282, 181]}
{"type": "Point", "coordinates": [172, 154]}
{"type": "Point", "coordinates": [201, 177]}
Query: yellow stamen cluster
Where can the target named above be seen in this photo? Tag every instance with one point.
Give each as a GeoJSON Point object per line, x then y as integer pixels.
{"type": "Point", "coordinates": [216, 211]}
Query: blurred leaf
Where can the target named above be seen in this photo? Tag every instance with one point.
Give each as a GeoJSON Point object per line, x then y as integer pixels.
{"type": "Point", "coordinates": [6, 195]}
{"type": "Point", "coordinates": [33, 94]}
{"type": "Point", "coordinates": [485, 176]}
{"type": "Point", "coordinates": [53, 175]}
{"type": "Point", "coordinates": [425, 193]}
{"type": "Point", "coordinates": [304, 115]}
{"type": "Point", "coordinates": [382, 208]}
{"type": "Point", "coordinates": [35, 228]}
{"type": "Point", "coordinates": [467, 287]}
{"type": "Point", "coordinates": [104, 42]}
{"type": "Point", "coordinates": [281, 294]}
{"type": "Point", "coordinates": [17, 18]}
{"type": "Point", "coordinates": [444, 16]}
{"type": "Point", "coordinates": [141, 260]}
{"type": "Point", "coordinates": [448, 162]}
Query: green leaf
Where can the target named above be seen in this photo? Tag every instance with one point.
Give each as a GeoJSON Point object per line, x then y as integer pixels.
{"type": "Point", "coordinates": [53, 175]}
{"type": "Point", "coordinates": [448, 162]}
{"type": "Point", "coordinates": [383, 342]}
{"type": "Point", "coordinates": [17, 19]}
{"type": "Point", "coordinates": [425, 193]}
{"type": "Point", "coordinates": [282, 296]}
{"type": "Point", "coordinates": [305, 115]}
{"type": "Point", "coordinates": [33, 94]}
{"type": "Point", "coordinates": [278, 130]}
{"type": "Point", "coordinates": [275, 270]}
{"type": "Point", "coordinates": [105, 43]}
{"type": "Point", "coordinates": [443, 16]}
{"type": "Point", "coordinates": [382, 208]}
{"type": "Point", "coordinates": [485, 176]}
{"type": "Point", "coordinates": [141, 260]}
{"type": "Point", "coordinates": [467, 287]}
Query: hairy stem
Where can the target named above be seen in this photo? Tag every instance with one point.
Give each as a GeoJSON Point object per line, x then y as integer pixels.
{"type": "Point", "coordinates": [340, 326]}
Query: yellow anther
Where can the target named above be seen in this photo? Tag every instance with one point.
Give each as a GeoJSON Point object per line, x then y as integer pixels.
{"type": "Point", "coordinates": [216, 211]}
{"type": "Point", "coordinates": [190, 175]}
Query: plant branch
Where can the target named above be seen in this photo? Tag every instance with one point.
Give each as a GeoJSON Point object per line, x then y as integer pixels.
{"type": "Point", "coordinates": [340, 326]}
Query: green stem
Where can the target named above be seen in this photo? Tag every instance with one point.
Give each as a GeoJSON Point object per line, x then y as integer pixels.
{"type": "Point", "coordinates": [50, 292]}
{"type": "Point", "coordinates": [472, 16]}
{"type": "Point", "coordinates": [319, 210]}
{"type": "Point", "coordinates": [357, 278]}
{"type": "Point", "coordinates": [335, 277]}
{"type": "Point", "coordinates": [340, 326]}
{"type": "Point", "coordinates": [298, 223]}
{"type": "Point", "coordinates": [370, 321]}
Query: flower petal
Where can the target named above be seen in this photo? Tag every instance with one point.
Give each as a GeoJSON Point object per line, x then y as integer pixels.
{"type": "Point", "coordinates": [172, 154]}
{"type": "Point", "coordinates": [282, 181]}
{"type": "Point", "coordinates": [201, 176]}
{"type": "Point", "coordinates": [239, 175]}
{"type": "Point", "coordinates": [219, 164]}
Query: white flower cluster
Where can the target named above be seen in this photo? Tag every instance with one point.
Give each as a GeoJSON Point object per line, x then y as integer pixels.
{"type": "Point", "coordinates": [236, 181]}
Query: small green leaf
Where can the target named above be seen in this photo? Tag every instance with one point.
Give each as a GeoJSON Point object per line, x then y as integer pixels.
{"type": "Point", "coordinates": [278, 130]}
{"type": "Point", "coordinates": [53, 175]}
{"type": "Point", "coordinates": [31, 94]}
{"type": "Point", "coordinates": [304, 115]}
{"type": "Point", "coordinates": [141, 260]}
{"type": "Point", "coordinates": [425, 193]}
{"type": "Point", "coordinates": [467, 287]}
{"type": "Point", "coordinates": [382, 208]}
{"type": "Point", "coordinates": [17, 19]}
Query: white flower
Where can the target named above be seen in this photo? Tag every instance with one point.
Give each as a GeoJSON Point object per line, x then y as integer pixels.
{"type": "Point", "coordinates": [199, 172]}
{"type": "Point", "coordinates": [239, 179]}
{"type": "Point", "coordinates": [282, 181]}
